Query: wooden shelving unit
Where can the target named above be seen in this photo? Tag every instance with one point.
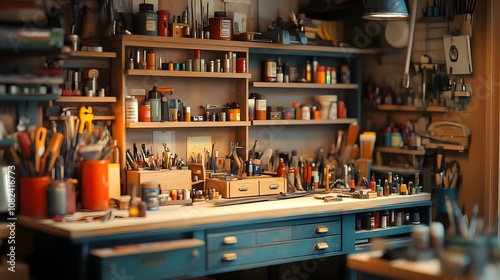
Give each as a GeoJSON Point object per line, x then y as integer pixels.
{"type": "Point", "coordinates": [302, 122]}
{"type": "Point", "coordinates": [185, 124]}
{"type": "Point", "coordinates": [411, 108]}
{"type": "Point", "coordinates": [89, 54]}
{"type": "Point", "coordinates": [85, 99]}
{"type": "Point", "coordinates": [186, 74]}
{"type": "Point", "coordinates": [304, 85]}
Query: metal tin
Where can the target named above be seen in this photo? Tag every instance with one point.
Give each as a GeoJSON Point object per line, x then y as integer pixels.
{"type": "Point", "coordinates": [212, 66]}
{"type": "Point", "coordinates": [370, 222]}
{"type": "Point", "coordinates": [399, 219]}
{"type": "Point", "coordinates": [56, 198]}
{"type": "Point", "coordinates": [189, 65]}
{"type": "Point", "coordinates": [150, 192]}
{"type": "Point", "coordinates": [383, 221]}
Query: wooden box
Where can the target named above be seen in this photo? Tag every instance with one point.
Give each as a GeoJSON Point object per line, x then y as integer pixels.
{"type": "Point", "coordinates": [253, 186]}
{"type": "Point", "coordinates": [168, 179]}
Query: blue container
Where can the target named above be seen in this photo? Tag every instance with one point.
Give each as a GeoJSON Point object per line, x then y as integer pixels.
{"type": "Point", "coordinates": [440, 195]}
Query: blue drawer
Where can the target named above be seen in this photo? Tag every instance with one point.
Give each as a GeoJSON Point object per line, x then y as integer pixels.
{"type": "Point", "coordinates": [317, 229]}
{"type": "Point", "coordinates": [155, 260]}
{"type": "Point", "coordinates": [260, 254]}
{"type": "Point", "coordinates": [230, 240]}
{"type": "Point", "coordinates": [274, 235]}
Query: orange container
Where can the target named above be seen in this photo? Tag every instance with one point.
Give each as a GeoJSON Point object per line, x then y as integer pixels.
{"type": "Point", "coordinates": [94, 185]}
{"type": "Point", "coordinates": [33, 196]}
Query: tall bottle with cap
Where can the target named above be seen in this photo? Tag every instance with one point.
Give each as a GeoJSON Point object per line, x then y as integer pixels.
{"type": "Point", "coordinates": [154, 99]}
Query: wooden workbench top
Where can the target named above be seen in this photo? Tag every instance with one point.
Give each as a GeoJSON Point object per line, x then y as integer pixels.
{"type": "Point", "coordinates": [179, 217]}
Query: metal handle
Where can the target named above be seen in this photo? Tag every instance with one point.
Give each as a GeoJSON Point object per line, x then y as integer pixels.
{"type": "Point", "coordinates": [321, 229]}
{"type": "Point", "coordinates": [274, 186]}
{"type": "Point", "coordinates": [243, 189]}
{"type": "Point", "coordinates": [230, 240]}
{"type": "Point", "coordinates": [321, 246]}
{"type": "Point", "coordinates": [229, 257]}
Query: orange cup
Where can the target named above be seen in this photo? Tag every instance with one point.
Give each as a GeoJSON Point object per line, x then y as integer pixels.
{"type": "Point", "coordinates": [33, 196]}
{"type": "Point", "coordinates": [94, 185]}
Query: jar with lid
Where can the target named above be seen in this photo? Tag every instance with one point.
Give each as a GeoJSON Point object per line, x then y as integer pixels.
{"type": "Point", "coordinates": [146, 20]}
{"type": "Point", "coordinates": [233, 110]}
{"type": "Point", "coordinates": [306, 112]}
{"type": "Point", "coordinates": [269, 71]}
{"type": "Point", "coordinates": [162, 22]}
{"type": "Point", "coordinates": [260, 107]}
{"type": "Point", "coordinates": [221, 27]}
{"type": "Point", "coordinates": [131, 109]}
{"type": "Point", "coordinates": [321, 74]}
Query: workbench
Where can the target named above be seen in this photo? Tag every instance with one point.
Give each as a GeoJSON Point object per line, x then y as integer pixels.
{"type": "Point", "coordinates": [371, 267]}
{"type": "Point", "coordinates": [190, 241]}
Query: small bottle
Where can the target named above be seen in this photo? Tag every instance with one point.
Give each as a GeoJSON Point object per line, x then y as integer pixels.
{"type": "Point", "coordinates": [151, 60]}
{"type": "Point", "coordinates": [380, 190]}
{"type": "Point", "coordinates": [141, 206]}
{"type": "Point", "coordinates": [403, 189]}
{"type": "Point", "coordinates": [279, 74]}
{"type": "Point", "coordinates": [281, 172]}
{"type": "Point", "coordinates": [372, 182]}
{"type": "Point", "coordinates": [386, 188]}
{"type": "Point", "coordinates": [321, 74]}
{"type": "Point", "coordinates": [187, 114]}
{"type": "Point", "coordinates": [308, 72]}
{"type": "Point", "coordinates": [328, 75]}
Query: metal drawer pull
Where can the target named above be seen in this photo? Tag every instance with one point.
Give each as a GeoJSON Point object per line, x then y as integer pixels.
{"type": "Point", "coordinates": [243, 189]}
{"type": "Point", "coordinates": [229, 257]}
{"type": "Point", "coordinates": [274, 186]}
{"type": "Point", "coordinates": [230, 240]}
{"type": "Point", "coordinates": [321, 246]}
{"type": "Point", "coordinates": [321, 229]}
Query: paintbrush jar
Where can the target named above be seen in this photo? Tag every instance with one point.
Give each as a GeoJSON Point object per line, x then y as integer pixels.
{"type": "Point", "coordinates": [94, 185]}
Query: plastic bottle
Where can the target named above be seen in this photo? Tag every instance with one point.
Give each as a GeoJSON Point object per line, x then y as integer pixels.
{"type": "Point", "coordinates": [320, 74]}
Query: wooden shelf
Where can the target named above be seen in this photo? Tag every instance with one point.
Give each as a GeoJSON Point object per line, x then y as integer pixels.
{"type": "Point", "coordinates": [303, 85]}
{"type": "Point", "coordinates": [185, 124]}
{"type": "Point", "coordinates": [95, 118]}
{"type": "Point", "coordinates": [88, 54]}
{"type": "Point", "coordinates": [395, 170]}
{"type": "Point", "coordinates": [400, 151]}
{"type": "Point", "coordinates": [411, 108]}
{"type": "Point", "coordinates": [241, 46]}
{"type": "Point", "coordinates": [302, 122]}
{"type": "Point", "coordinates": [448, 147]}
{"type": "Point", "coordinates": [187, 74]}
{"type": "Point", "coordinates": [28, 97]}
{"type": "Point", "coordinates": [363, 234]}
{"type": "Point", "coordinates": [86, 99]}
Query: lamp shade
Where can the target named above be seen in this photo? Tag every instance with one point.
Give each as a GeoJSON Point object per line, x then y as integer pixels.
{"type": "Point", "coordinates": [385, 10]}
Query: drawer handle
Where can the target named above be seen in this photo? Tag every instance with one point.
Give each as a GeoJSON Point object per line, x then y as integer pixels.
{"type": "Point", "coordinates": [243, 189]}
{"type": "Point", "coordinates": [230, 240]}
{"type": "Point", "coordinates": [274, 186]}
{"type": "Point", "coordinates": [321, 246]}
{"type": "Point", "coordinates": [321, 229]}
{"type": "Point", "coordinates": [229, 257]}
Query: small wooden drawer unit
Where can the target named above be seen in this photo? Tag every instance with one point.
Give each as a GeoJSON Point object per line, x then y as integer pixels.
{"type": "Point", "coordinates": [248, 187]}
{"type": "Point", "coordinates": [155, 260]}
{"type": "Point", "coordinates": [286, 241]}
